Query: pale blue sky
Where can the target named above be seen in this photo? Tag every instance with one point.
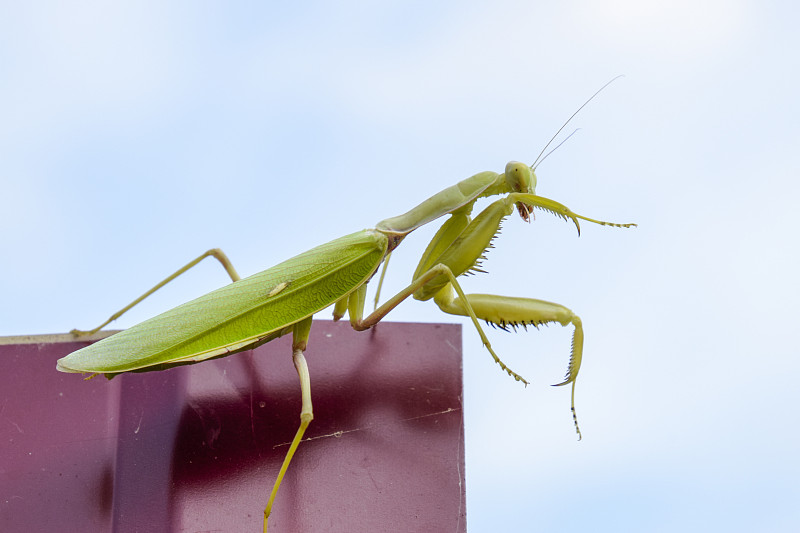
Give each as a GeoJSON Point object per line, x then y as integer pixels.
{"type": "Point", "coordinates": [136, 135]}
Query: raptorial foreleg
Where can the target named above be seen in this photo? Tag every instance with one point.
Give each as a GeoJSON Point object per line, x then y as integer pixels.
{"type": "Point", "coordinates": [512, 312]}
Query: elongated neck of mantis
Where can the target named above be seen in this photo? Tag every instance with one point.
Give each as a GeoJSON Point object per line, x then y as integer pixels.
{"type": "Point", "coordinates": [461, 195]}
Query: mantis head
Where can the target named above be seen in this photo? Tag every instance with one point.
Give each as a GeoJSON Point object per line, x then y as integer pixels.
{"type": "Point", "coordinates": [521, 178]}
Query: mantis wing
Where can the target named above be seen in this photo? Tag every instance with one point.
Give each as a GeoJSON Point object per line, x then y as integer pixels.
{"type": "Point", "coordinates": [234, 317]}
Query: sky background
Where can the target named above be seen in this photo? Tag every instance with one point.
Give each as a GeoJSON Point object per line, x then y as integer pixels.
{"type": "Point", "coordinates": [136, 135]}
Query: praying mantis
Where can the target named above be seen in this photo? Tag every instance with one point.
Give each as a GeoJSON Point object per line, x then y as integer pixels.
{"type": "Point", "coordinates": [283, 299]}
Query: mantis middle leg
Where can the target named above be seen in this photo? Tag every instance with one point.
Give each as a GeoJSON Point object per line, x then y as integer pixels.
{"type": "Point", "coordinates": [355, 308]}
{"type": "Point", "coordinates": [301, 331]}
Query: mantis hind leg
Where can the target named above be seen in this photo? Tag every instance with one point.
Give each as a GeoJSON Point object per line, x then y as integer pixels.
{"type": "Point", "coordinates": [216, 253]}
{"type": "Point", "coordinates": [512, 312]}
{"type": "Point", "coordinates": [300, 341]}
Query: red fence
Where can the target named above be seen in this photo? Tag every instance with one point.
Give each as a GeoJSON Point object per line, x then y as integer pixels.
{"type": "Point", "coordinates": [197, 448]}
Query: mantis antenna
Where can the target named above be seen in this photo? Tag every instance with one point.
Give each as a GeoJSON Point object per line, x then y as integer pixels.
{"type": "Point", "coordinates": [553, 138]}
{"type": "Point", "coordinates": [556, 148]}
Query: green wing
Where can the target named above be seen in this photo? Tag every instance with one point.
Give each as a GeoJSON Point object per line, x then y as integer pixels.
{"type": "Point", "coordinates": [240, 314]}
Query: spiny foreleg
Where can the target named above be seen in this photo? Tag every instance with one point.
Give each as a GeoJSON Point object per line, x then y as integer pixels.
{"type": "Point", "coordinates": [510, 311]}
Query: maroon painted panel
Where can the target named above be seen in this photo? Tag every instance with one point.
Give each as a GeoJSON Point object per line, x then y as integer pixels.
{"type": "Point", "coordinates": [197, 448]}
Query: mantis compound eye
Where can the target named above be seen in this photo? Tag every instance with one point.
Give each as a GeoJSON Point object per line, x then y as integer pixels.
{"type": "Point", "coordinates": [521, 178]}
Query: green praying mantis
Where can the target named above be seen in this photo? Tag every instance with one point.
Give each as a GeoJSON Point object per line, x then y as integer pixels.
{"type": "Point", "coordinates": [283, 299]}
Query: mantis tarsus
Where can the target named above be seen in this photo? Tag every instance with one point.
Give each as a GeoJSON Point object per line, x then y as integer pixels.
{"type": "Point", "coordinates": [283, 299]}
